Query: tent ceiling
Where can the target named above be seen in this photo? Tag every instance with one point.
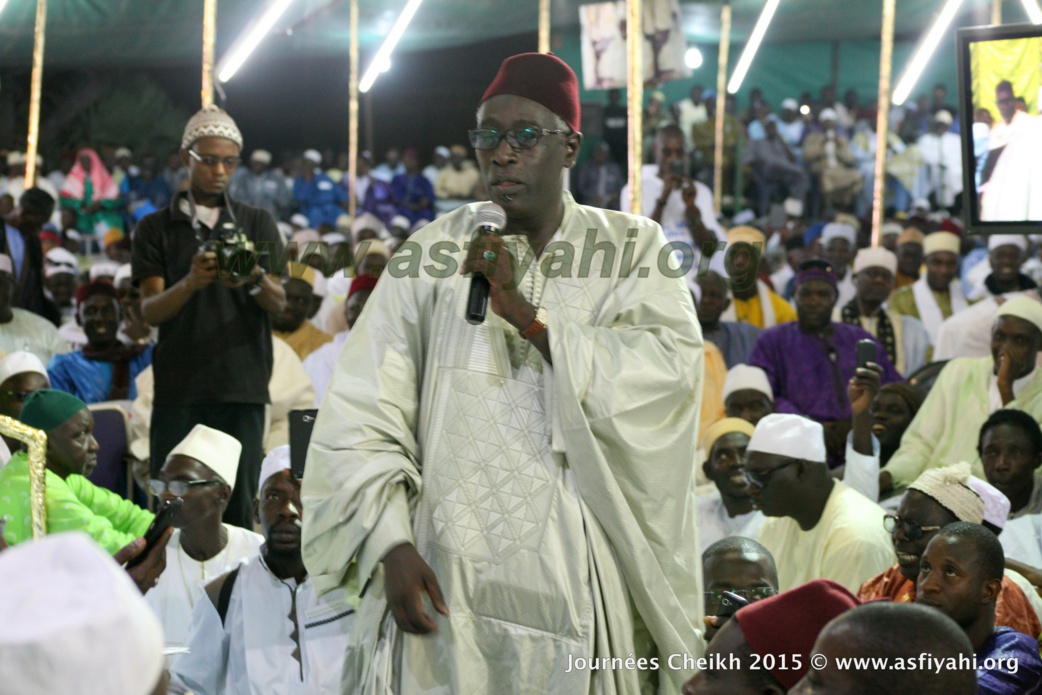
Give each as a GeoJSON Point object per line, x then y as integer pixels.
{"type": "Point", "coordinates": [169, 32]}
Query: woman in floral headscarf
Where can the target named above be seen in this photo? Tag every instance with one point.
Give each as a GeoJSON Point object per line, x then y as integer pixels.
{"type": "Point", "coordinates": [90, 190]}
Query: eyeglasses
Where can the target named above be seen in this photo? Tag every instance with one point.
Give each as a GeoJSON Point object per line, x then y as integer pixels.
{"type": "Point", "coordinates": [913, 531]}
{"type": "Point", "coordinates": [19, 396]}
{"type": "Point", "coordinates": [714, 597]}
{"type": "Point", "coordinates": [518, 138]}
{"type": "Point", "coordinates": [177, 488]}
{"type": "Point", "coordinates": [212, 162]}
{"type": "Point", "coordinates": [761, 478]}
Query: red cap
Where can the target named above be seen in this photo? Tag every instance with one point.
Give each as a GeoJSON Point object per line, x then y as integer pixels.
{"type": "Point", "coordinates": [361, 283]}
{"type": "Point", "coordinates": [95, 287]}
{"type": "Point", "coordinates": [544, 78]}
{"type": "Point", "coordinates": [789, 623]}
{"type": "Point", "coordinates": [950, 225]}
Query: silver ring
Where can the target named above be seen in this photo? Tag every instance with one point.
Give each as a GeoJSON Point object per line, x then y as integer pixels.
{"type": "Point", "coordinates": [490, 256]}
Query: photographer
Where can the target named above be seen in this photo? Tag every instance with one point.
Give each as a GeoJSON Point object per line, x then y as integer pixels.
{"type": "Point", "coordinates": [203, 267]}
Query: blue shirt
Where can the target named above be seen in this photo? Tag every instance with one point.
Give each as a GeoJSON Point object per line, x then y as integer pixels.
{"type": "Point", "coordinates": [91, 380]}
{"type": "Point", "coordinates": [412, 189]}
{"type": "Point", "coordinates": [16, 248]}
{"type": "Point", "coordinates": [1006, 643]}
{"type": "Point", "coordinates": [319, 199]}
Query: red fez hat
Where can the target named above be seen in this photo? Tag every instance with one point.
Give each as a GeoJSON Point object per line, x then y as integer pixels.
{"type": "Point", "coordinates": [789, 623]}
{"type": "Point", "coordinates": [950, 225]}
{"type": "Point", "coordinates": [361, 283]}
{"type": "Point", "coordinates": [544, 78]}
{"type": "Point", "coordinates": [95, 287]}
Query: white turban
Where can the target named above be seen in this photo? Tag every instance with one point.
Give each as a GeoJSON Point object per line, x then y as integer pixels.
{"type": "Point", "coordinates": [214, 449]}
{"type": "Point", "coordinates": [210, 122]}
{"type": "Point", "coordinates": [839, 230]}
{"type": "Point", "coordinates": [1018, 240]}
{"type": "Point", "coordinates": [19, 363]}
{"type": "Point", "coordinates": [788, 435]}
{"type": "Point", "coordinates": [73, 622]}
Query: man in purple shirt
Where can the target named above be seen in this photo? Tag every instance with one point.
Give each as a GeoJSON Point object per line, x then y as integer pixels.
{"type": "Point", "coordinates": [810, 361]}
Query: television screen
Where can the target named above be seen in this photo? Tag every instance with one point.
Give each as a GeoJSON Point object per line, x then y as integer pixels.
{"type": "Point", "coordinates": [1000, 80]}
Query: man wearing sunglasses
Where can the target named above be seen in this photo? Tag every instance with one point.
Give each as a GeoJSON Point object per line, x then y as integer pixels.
{"type": "Point", "coordinates": [201, 470]}
{"type": "Point", "coordinates": [446, 464]}
{"type": "Point", "coordinates": [939, 497]}
{"type": "Point", "coordinates": [214, 356]}
{"type": "Point", "coordinates": [817, 527]}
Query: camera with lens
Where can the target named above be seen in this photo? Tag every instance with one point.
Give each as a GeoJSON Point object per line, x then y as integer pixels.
{"type": "Point", "coordinates": [235, 255]}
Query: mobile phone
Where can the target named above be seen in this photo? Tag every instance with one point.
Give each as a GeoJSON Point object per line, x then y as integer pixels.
{"type": "Point", "coordinates": [164, 518]}
{"type": "Point", "coordinates": [678, 167]}
{"type": "Point", "coordinates": [866, 352]}
{"type": "Point", "coordinates": [301, 422]}
{"type": "Point", "coordinates": [729, 604]}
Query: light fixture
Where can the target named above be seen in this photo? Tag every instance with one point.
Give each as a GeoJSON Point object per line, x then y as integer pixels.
{"type": "Point", "coordinates": [1034, 14]}
{"type": "Point", "coordinates": [805, 109]}
{"type": "Point", "coordinates": [250, 38]}
{"type": "Point", "coordinates": [382, 59]}
{"type": "Point", "coordinates": [2, 3]}
{"type": "Point", "coordinates": [925, 52]}
{"type": "Point", "coordinates": [693, 58]}
{"type": "Point", "coordinates": [759, 31]}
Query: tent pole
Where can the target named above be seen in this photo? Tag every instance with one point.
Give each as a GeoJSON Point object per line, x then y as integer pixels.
{"type": "Point", "coordinates": [209, 38]}
{"type": "Point", "coordinates": [721, 106]}
{"type": "Point", "coordinates": [886, 60]}
{"type": "Point", "coordinates": [635, 94]}
{"type": "Point", "coordinates": [544, 26]}
{"type": "Point", "coordinates": [36, 85]}
{"type": "Point", "coordinates": [352, 127]}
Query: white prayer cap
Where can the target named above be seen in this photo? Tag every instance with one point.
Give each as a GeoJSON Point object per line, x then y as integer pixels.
{"type": "Point", "coordinates": [210, 122]}
{"type": "Point", "coordinates": [16, 158]}
{"type": "Point", "coordinates": [921, 204]}
{"type": "Point", "coordinates": [891, 228]}
{"type": "Point", "coordinates": [793, 207]}
{"type": "Point", "coordinates": [74, 622]}
{"type": "Point", "coordinates": [794, 436]}
{"type": "Point", "coordinates": [790, 104]}
{"type": "Point", "coordinates": [941, 241]}
{"type": "Point", "coordinates": [334, 238]}
{"type": "Point", "coordinates": [123, 152]}
{"type": "Point", "coordinates": [6, 264]}
{"type": "Point", "coordinates": [214, 449]}
{"type": "Point", "coordinates": [997, 240]}
{"type": "Point", "coordinates": [262, 156]}
{"type": "Point", "coordinates": [942, 116]}
{"type": "Point", "coordinates": [313, 156]}
{"type": "Point", "coordinates": [124, 273]}
{"type": "Point", "coordinates": [343, 221]}
{"type": "Point", "coordinates": [276, 460]}
{"type": "Point", "coordinates": [103, 269]}
{"type": "Point", "coordinates": [877, 257]}
{"type": "Point", "coordinates": [839, 230]}
{"type": "Point", "coordinates": [401, 221]}
{"type": "Point", "coordinates": [827, 115]}
{"type": "Point", "coordinates": [19, 363]}
{"type": "Point", "coordinates": [1023, 307]}
{"type": "Point", "coordinates": [442, 151]}
{"type": "Point", "coordinates": [305, 236]}
{"type": "Point", "coordinates": [367, 221]}
{"type": "Point", "coordinates": [50, 270]}
{"type": "Point", "coordinates": [996, 504]}
{"type": "Point", "coordinates": [742, 377]}
{"type": "Point", "coordinates": [949, 486]}
{"type": "Point", "coordinates": [299, 220]}
{"type": "Point", "coordinates": [59, 256]}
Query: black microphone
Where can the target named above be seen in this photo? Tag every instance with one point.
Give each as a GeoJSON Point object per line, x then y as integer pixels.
{"type": "Point", "coordinates": [490, 219]}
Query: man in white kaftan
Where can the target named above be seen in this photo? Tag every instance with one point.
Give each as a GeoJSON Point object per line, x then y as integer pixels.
{"type": "Point", "coordinates": [546, 484]}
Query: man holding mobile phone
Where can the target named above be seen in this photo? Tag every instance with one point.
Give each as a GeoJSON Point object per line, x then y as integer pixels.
{"type": "Point", "coordinates": [683, 206]}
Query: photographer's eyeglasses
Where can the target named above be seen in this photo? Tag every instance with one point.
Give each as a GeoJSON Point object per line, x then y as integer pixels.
{"type": "Point", "coordinates": [716, 596]}
{"type": "Point", "coordinates": [518, 138]}
{"type": "Point", "coordinates": [177, 488]}
{"type": "Point", "coordinates": [913, 531]}
{"type": "Point", "coordinates": [212, 162]}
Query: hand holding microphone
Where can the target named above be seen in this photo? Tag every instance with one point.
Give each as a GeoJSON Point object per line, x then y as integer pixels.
{"type": "Point", "coordinates": [484, 259]}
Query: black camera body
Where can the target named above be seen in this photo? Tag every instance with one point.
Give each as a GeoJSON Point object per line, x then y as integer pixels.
{"type": "Point", "coordinates": [235, 255]}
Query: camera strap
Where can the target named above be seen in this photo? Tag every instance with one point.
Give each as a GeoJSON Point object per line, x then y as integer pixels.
{"type": "Point", "coordinates": [197, 227]}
